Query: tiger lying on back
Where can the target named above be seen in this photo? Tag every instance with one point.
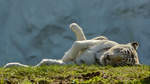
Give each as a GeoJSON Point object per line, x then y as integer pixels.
{"type": "Point", "coordinates": [98, 50]}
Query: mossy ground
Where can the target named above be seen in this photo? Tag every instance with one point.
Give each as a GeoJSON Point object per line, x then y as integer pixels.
{"type": "Point", "coordinates": [76, 74]}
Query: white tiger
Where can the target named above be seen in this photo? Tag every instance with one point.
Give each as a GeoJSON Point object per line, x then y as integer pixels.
{"type": "Point", "coordinates": [98, 50]}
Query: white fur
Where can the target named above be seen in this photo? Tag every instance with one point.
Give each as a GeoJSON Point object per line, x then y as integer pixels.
{"type": "Point", "coordinates": [14, 64]}
{"type": "Point", "coordinates": [81, 51]}
{"type": "Point", "coordinates": [50, 62]}
{"type": "Point", "coordinates": [89, 55]}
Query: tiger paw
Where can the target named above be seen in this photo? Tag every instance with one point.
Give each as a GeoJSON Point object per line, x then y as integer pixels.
{"type": "Point", "coordinates": [75, 27]}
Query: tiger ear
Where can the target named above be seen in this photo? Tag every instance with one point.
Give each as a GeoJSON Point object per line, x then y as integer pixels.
{"type": "Point", "coordinates": [135, 45]}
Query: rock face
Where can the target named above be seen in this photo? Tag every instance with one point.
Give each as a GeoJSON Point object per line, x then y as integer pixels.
{"type": "Point", "coordinates": [31, 30]}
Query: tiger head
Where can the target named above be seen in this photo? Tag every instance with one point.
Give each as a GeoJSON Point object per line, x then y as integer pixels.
{"type": "Point", "coordinates": [121, 55]}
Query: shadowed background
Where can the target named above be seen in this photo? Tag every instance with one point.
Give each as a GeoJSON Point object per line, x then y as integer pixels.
{"type": "Point", "coordinates": [31, 30]}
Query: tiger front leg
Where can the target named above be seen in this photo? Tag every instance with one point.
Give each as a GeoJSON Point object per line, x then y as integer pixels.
{"type": "Point", "coordinates": [78, 46]}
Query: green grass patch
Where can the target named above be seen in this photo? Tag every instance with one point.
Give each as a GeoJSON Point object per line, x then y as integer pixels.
{"type": "Point", "coordinates": [76, 74]}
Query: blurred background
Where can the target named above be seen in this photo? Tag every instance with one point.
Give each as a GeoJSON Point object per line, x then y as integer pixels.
{"type": "Point", "coordinates": [31, 30]}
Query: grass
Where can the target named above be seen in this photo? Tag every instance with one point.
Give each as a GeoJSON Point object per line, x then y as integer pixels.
{"type": "Point", "coordinates": [76, 74]}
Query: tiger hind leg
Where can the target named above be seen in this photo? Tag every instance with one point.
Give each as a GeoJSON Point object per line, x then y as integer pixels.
{"type": "Point", "coordinates": [78, 32]}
